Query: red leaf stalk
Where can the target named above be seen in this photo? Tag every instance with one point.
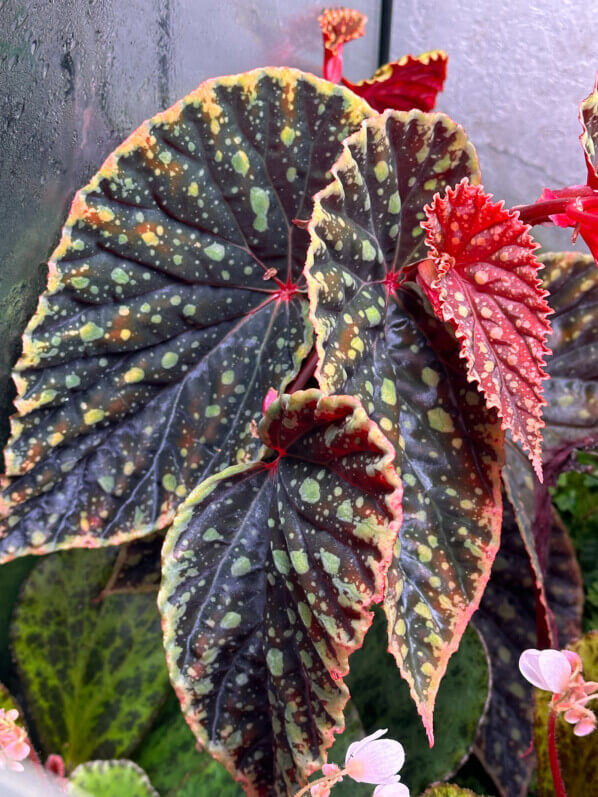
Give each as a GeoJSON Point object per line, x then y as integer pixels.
{"type": "Point", "coordinates": [553, 755]}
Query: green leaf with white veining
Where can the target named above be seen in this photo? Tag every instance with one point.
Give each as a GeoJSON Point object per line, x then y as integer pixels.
{"type": "Point", "coordinates": [175, 300]}
{"type": "Point", "coordinates": [268, 574]}
{"type": "Point", "coordinates": [93, 673]}
{"type": "Point", "coordinates": [382, 698]}
{"type": "Point", "coordinates": [175, 767]}
{"type": "Point", "coordinates": [110, 779]}
{"type": "Point", "coordinates": [373, 341]}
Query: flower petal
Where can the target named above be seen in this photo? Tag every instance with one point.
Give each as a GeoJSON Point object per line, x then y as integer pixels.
{"type": "Point", "coordinates": [391, 790]}
{"type": "Point", "coordinates": [377, 761]}
{"type": "Point", "coordinates": [584, 727]}
{"type": "Point", "coordinates": [555, 669]}
{"type": "Point", "coordinates": [339, 26]}
{"type": "Point", "coordinates": [354, 747]}
{"type": "Point", "coordinates": [529, 668]}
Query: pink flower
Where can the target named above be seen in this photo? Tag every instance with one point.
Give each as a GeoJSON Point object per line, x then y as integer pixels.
{"type": "Point", "coordinates": [13, 747]}
{"type": "Point", "coordinates": [546, 669]}
{"type": "Point", "coordinates": [391, 790]}
{"type": "Point", "coordinates": [375, 760]}
{"type": "Point", "coordinates": [559, 671]}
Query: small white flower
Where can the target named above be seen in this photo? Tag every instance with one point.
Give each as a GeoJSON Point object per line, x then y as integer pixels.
{"type": "Point", "coordinates": [375, 760]}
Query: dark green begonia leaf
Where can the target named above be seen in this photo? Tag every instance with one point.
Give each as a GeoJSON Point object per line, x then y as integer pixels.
{"type": "Point", "coordinates": [175, 767]}
{"type": "Point", "coordinates": [110, 779]}
{"type": "Point", "coordinates": [507, 622]}
{"type": "Point", "coordinates": [175, 300]}
{"type": "Point", "coordinates": [578, 756]}
{"type": "Point", "coordinates": [269, 571]}
{"type": "Point", "coordinates": [571, 413]}
{"type": "Point", "coordinates": [382, 698]}
{"type": "Point", "coordinates": [372, 338]}
{"type": "Point", "coordinates": [92, 671]}
{"type": "Point", "coordinates": [12, 576]}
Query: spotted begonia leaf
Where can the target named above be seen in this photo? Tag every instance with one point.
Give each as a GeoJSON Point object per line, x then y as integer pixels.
{"type": "Point", "coordinates": [269, 570]}
{"type": "Point", "coordinates": [452, 456]}
{"type": "Point", "coordinates": [483, 278]}
{"type": "Point", "coordinates": [110, 779]}
{"type": "Point", "coordinates": [588, 116]}
{"type": "Point", "coordinates": [508, 623]}
{"type": "Point", "coordinates": [372, 342]}
{"type": "Point", "coordinates": [175, 300]}
{"type": "Point", "coordinates": [578, 756]}
{"type": "Point", "coordinates": [383, 701]}
{"type": "Point", "coordinates": [92, 671]}
{"type": "Point", "coordinates": [410, 82]}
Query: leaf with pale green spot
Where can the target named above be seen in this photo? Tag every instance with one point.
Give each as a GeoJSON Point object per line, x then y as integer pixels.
{"type": "Point", "coordinates": [92, 671]}
{"type": "Point", "coordinates": [175, 300]}
{"type": "Point", "coordinates": [382, 699]}
{"type": "Point", "coordinates": [175, 767]}
{"type": "Point", "coordinates": [268, 573]}
{"type": "Point", "coordinates": [375, 339]}
{"type": "Point", "coordinates": [578, 755]}
{"type": "Point", "coordinates": [507, 622]}
{"type": "Point", "coordinates": [110, 779]}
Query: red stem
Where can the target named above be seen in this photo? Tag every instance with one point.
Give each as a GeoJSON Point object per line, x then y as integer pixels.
{"type": "Point", "coordinates": [540, 212]}
{"type": "Point", "coordinates": [553, 755]}
{"type": "Point", "coordinates": [305, 374]}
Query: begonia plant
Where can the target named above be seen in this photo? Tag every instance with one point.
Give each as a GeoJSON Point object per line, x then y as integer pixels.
{"type": "Point", "coordinates": [293, 361]}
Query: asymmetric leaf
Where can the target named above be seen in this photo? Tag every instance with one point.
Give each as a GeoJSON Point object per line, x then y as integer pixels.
{"type": "Point", "coordinates": [507, 621]}
{"type": "Point", "coordinates": [269, 570]}
{"type": "Point", "coordinates": [93, 673]}
{"type": "Point", "coordinates": [175, 300]}
{"type": "Point", "coordinates": [110, 779]}
{"type": "Point", "coordinates": [411, 82]}
{"type": "Point", "coordinates": [373, 342]}
{"type": "Point", "coordinates": [483, 279]}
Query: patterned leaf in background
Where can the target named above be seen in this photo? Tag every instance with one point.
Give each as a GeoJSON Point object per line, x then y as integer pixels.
{"type": "Point", "coordinates": [269, 570]}
{"type": "Point", "coordinates": [410, 82]}
{"type": "Point", "coordinates": [382, 698]}
{"type": "Point", "coordinates": [174, 765]}
{"type": "Point", "coordinates": [588, 116]}
{"type": "Point", "coordinates": [578, 756]}
{"type": "Point", "coordinates": [571, 412]}
{"type": "Point", "coordinates": [110, 779]}
{"type": "Point", "coordinates": [372, 340]}
{"type": "Point", "coordinates": [448, 790]}
{"type": "Point", "coordinates": [507, 622]}
{"type": "Point", "coordinates": [93, 674]}
{"type": "Point", "coordinates": [483, 279]}
{"type": "Point", "coordinates": [175, 300]}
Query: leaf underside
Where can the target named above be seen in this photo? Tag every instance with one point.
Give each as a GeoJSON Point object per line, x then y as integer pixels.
{"type": "Point", "coordinates": [578, 756]}
{"type": "Point", "coordinates": [175, 300]}
{"type": "Point", "coordinates": [411, 82]}
{"type": "Point", "coordinates": [483, 279]}
{"type": "Point", "coordinates": [377, 341]}
{"type": "Point", "coordinates": [269, 570]}
{"type": "Point", "coordinates": [588, 116]}
{"type": "Point", "coordinates": [507, 621]}
{"type": "Point", "coordinates": [92, 671]}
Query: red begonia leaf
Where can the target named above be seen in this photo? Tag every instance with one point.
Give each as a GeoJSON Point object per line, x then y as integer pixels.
{"type": "Point", "coordinates": [339, 26]}
{"type": "Point", "coordinates": [269, 570]}
{"type": "Point", "coordinates": [410, 82]}
{"type": "Point", "coordinates": [507, 621]}
{"type": "Point", "coordinates": [588, 116]}
{"type": "Point", "coordinates": [483, 278]}
{"type": "Point", "coordinates": [175, 300]}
